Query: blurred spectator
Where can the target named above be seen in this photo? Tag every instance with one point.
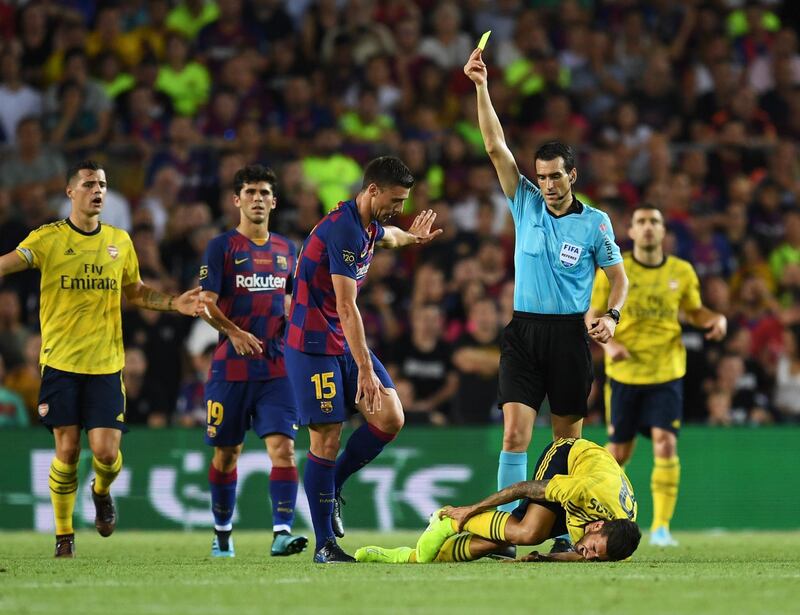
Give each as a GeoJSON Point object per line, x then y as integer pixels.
{"type": "Point", "coordinates": [160, 336]}
{"type": "Point", "coordinates": [194, 164]}
{"type": "Point", "coordinates": [13, 335]}
{"type": "Point", "coordinates": [227, 36]}
{"type": "Point", "coordinates": [36, 41]}
{"type": "Point", "coordinates": [787, 377]}
{"type": "Point", "coordinates": [477, 360]}
{"type": "Point", "coordinates": [190, 16]}
{"type": "Point", "coordinates": [185, 81]}
{"type": "Point", "coordinates": [734, 398]}
{"type": "Point", "coordinates": [145, 402]}
{"type": "Point", "coordinates": [26, 378]}
{"type": "Point", "coordinates": [367, 37]}
{"type": "Point", "coordinates": [424, 361]}
{"type": "Point", "coordinates": [336, 176]}
{"type": "Point", "coordinates": [77, 110]}
{"type": "Point", "coordinates": [12, 408]}
{"type": "Point", "coordinates": [190, 408]}
{"type": "Point", "coordinates": [784, 261]}
{"type": "Point", "coordinates": [32, 163]}
{"type": "Point", "coordinates": [108, 36]}
{"type": "Point", "coordinates": [448, 46]}
{"type": "Point", "coordinates": [17, 100]}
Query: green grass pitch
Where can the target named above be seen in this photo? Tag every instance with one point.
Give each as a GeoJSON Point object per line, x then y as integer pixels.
{"type": "Point", "coordinates": [172, 573]}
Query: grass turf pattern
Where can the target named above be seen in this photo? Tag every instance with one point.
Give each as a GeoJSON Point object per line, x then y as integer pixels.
{"type": "Point", "coordinates": [172, 573]}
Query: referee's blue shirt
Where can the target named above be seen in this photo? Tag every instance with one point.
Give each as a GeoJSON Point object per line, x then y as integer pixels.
{"type": "Point", "coordinates": [556, 256]}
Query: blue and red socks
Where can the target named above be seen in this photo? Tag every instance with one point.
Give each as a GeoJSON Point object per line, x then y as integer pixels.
{"type": "Point", "coordinates": [318, 481]}
{"type": "Point", "coordinates": [363, 446]}
{"type": "Point", "coordinates": [283, 493]}
{"type": "Point", "coordinates": [223, 497]}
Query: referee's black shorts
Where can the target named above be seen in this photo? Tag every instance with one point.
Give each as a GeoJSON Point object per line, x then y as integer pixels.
{"type": "Point", "coordinates": [546, 354]}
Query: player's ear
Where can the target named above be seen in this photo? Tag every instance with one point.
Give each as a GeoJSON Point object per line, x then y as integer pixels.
{"type": "Point", "coordinates": [274, 202]}
{"type": "Point", "coordinates": [573, 175]}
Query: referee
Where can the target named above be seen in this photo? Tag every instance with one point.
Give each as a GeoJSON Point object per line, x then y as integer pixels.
{"type": "Point", "coordinates": [560, 243]}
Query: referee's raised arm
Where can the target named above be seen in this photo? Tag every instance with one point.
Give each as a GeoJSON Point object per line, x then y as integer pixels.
{"type": "Point", "coordinates": [491, 130]}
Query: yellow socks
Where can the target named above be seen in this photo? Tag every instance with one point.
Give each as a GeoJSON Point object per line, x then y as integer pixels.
{"type": "Point", "coordinates": [105, 474]}
{"type": "Point", "coordinates": [63, 483]}
{"type": "Point", "coordinates": [456, 549]}
{"type": "Point", "coordinates": [664, 485]}
{"type": "Point", "coordinates": [490, 525]}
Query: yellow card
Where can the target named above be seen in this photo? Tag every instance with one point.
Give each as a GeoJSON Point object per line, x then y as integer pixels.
{"type": "Point", "coordinates": [484, 38]}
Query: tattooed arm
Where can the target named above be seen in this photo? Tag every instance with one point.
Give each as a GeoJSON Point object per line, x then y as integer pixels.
{"type": "Point", "coordinates": [189, 303]}
{"type": "Point", "coordinates": [531, 489]}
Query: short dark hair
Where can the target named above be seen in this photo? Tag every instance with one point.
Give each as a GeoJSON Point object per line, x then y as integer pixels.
{"type": "Point", "coordinates": [648, 207]}
{"type": "Point", "coordinates": [253, 174]}
{"type": "Point", "coordinates": [555, 149]}
{"type": "Point", "coordinates": [89, 165]}
{"type": "Point", "coordinates": [387, 171]}
{"type": "Point", "coordinates": [623, 538]}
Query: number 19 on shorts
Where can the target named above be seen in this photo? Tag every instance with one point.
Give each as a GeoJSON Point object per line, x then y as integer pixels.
{"type": "Point", "coordinates": [215, 413]}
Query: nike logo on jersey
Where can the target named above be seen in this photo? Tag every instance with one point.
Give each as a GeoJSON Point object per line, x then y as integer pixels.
{"type": "Point", "coordinates": [239, 261]}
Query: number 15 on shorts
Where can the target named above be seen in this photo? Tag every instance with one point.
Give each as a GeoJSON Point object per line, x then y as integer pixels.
{"type": "Point", "coordinates": [325, 390]}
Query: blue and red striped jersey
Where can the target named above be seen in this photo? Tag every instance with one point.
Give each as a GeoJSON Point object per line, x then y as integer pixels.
{"type": "Point", "coordinates": [251, 281]}
{"type": "Point", "coordinates": [340, 245]}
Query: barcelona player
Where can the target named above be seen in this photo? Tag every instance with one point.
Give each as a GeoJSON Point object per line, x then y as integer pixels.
{"type": "Point", "coordinates": [646, 360]}
{"type": "Point", "coordinates": [86, 267]}
{"type": "Point", "coordinates": [247, 277]}
{"type": "Point", "coordinates": [578, 488]}
{"type": "Point", "coordinates": [329, 364]}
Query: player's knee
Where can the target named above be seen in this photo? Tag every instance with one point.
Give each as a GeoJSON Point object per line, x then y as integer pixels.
{"type": "Point", "coordinates": [69, 452]}
{"type": "Point", "coordinates": [665, 447]}
{"type": "Point", "coordinates": [393, 423]}
{"type": "Point", "coordinates": [281, 453]}
{"type": "Point", "coordinates": [106, 456]}
{"type": "Point", "coordinates": [225, 459]}
{"type": "Point", "coordinates": [620, 453]}
{"type": "Point", "coordinates": [520, 534]}
{"type": "Point", "coordinates": [516, 438]}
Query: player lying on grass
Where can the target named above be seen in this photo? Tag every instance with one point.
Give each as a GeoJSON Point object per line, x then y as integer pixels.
{"type": "Point", "coordinates": [577, 488]}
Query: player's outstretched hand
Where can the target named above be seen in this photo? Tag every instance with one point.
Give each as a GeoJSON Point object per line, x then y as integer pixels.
{"type": "Point", "coordinates": [190, 303]}
{"type": "Point", "coordinates": [370, 390]}
{"type": "Point", "coordinates": [245, 343]}
{"type": "Point", "coordinates": [718, 328]}
{"type": "Point", "coordinates": [421, 227]}
{"type": "Point", "coordinates": [475, 68]}
{"type": "Point", "coordinates": [459, 514]}
{"type": "Point", "coordinates": [602, 329]}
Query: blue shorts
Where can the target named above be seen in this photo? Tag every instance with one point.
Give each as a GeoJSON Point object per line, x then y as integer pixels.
{"type": "Point", "coordinates": [325, 385]}
{"type": "Point", "coordinates": [636, 408]}
{"type": "Point", "coordinates": [234, 407]}
{"type": "Point", "coordinates": [86, 400]}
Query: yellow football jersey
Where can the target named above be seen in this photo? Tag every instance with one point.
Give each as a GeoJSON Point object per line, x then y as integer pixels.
{"type": "Point", "coordinates": [82, 279]}
{"type": "Point", "coordinates": [649, 326]}
{"type": "Point", "coordinates": [594, 489]}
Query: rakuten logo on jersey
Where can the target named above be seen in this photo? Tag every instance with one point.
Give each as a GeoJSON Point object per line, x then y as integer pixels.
{"type": "Point", "coordinates": [259, 283]}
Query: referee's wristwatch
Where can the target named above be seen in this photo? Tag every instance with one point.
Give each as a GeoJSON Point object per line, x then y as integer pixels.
{"type": "Point", "coordinates": [614, 314]}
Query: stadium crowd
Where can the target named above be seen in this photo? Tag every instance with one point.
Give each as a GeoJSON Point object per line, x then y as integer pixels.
{"type": "Point", "coordinates": [693, 106]}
